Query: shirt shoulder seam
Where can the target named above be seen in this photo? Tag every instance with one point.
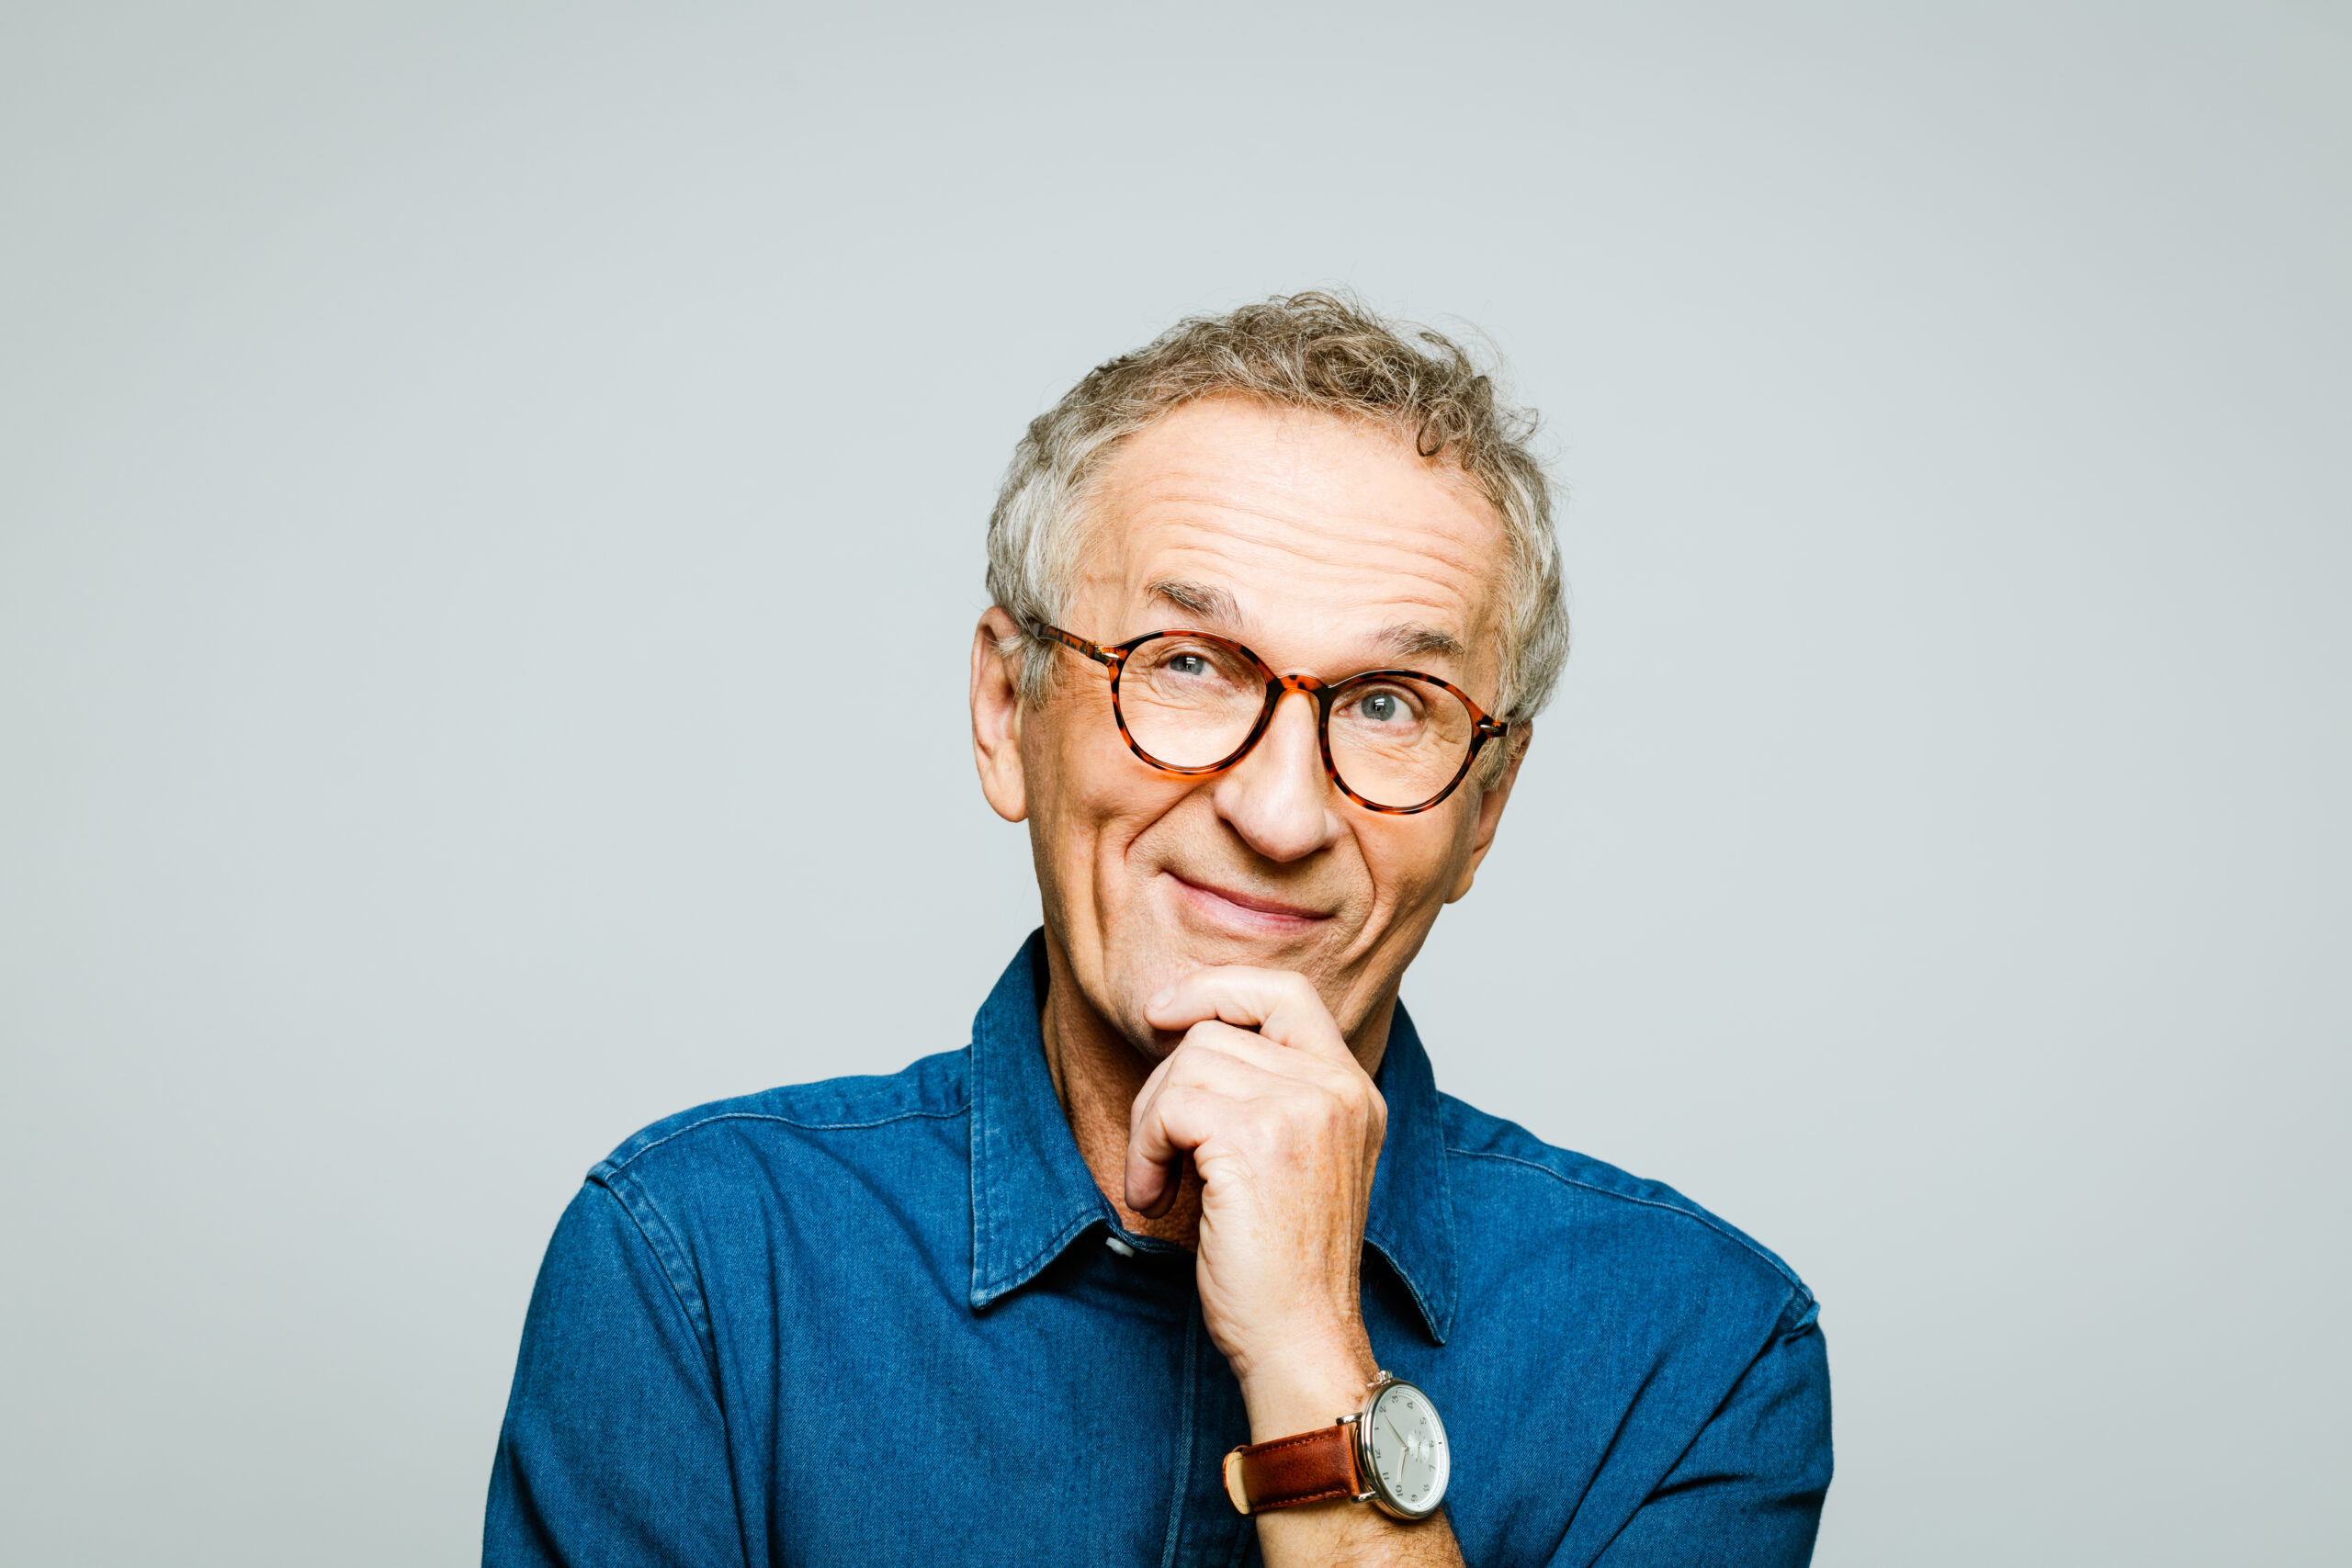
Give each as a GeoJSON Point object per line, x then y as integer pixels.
{"type": "Point", "coordinates": [616, 1166]}
{"type": "Point", "coordinates": [637, 1205]}
{"type": "Point", "coordinates": [1693, 1213]}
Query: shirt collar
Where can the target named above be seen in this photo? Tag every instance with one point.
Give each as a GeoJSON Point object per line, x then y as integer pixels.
{"type": "Point", "coordinates": [1032, 1194]}
{"type": "Point", "coordinates": [1411, 1223]}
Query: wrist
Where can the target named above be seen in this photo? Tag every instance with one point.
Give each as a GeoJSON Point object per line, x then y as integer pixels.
{"type": "Point", "coordinates": [1387, 1448]}
{"type": "Point", "coordinates": [1306, 1386]}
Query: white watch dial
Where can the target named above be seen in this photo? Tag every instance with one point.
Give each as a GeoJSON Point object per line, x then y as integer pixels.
{"type": "Point", "coordinates": [1408, 1453]}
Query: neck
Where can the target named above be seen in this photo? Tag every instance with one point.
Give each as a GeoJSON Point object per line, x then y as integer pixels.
{"type": "Point", "coordinates": [1098, 1072]}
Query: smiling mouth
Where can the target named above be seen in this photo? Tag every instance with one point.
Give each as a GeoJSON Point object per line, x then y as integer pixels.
{"type": "Point", "coordinates": [1248, 908]}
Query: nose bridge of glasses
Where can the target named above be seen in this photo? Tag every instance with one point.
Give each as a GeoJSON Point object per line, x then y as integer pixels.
{"type": "Point", "coordinates": [1313, 685]}
{"type": "Point", "coordinates": [1317, 693]}
{"type": "Point", "coordinates": [1277, 690]}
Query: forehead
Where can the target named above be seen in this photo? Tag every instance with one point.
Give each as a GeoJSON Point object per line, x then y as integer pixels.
{"type": "Point", "coordinates": [1319, 536]}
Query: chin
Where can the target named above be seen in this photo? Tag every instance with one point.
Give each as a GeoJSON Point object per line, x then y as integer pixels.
{"type": "Point", "coordinates": [1143, 960]}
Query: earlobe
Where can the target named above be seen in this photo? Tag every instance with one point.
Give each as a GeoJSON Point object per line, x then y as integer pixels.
{"type": "Point", "coordinates": [997, 714]}
{"type": "Point", "coordinates": [1490, 815]}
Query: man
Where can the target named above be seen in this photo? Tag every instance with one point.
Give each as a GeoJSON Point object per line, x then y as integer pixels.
{"type": "Point", "coordinates": [1185, 1259]}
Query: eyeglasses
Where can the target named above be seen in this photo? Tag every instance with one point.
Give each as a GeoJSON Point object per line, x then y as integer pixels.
{"type": "Point", "coordinates": [1394, 740]}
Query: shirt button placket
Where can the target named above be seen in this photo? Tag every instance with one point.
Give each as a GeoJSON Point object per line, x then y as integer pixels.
{"type": "Point", "coordinates": [1203, 1529]}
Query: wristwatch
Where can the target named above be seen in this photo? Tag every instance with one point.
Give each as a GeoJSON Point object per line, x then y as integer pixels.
{"type": "Point", "coordinates": [1391, 1453]}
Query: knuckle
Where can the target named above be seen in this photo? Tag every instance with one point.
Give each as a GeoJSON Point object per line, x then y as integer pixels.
{"type": "Point", "coordinates": [1220, 1036]}
{"type": "Point", "coordinates": [1176, 1100]}
{"type": "Point", "coordinates": [1351, 1090]}
{"type": "Point", "coordinates": [1196, 1056]}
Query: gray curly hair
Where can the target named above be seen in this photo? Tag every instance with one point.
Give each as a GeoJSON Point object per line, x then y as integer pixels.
{"type": "Point", "coordinates": [1320, 351]}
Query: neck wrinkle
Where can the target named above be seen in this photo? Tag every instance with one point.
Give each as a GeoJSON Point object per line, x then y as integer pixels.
{"type": "Point", "coordinates": [1097, 1074]}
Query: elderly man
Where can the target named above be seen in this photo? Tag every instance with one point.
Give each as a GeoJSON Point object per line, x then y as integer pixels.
{"type": "Point", "coordinates": [1184, 1258]}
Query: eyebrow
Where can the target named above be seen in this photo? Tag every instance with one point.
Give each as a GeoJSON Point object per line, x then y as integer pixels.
{"type": "Point", "coordinates": [1199, 598]}
{"type": "Point", "coordinates": [1407, 640]}
{"type": "Point", "coordinates": [1412, 641]}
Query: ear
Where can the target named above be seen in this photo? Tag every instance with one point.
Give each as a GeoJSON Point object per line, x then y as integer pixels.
{"type": "Point", "coordinates": [1490, 814]}
{"type": "Point", "coordinates": [997, 713]}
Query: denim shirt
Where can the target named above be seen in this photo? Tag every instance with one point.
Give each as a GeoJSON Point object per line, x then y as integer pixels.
{"type": "Point", "coordinates": [893, 1319]}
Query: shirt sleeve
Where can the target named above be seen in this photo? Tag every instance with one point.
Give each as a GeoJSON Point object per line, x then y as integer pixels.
{"type": "Point", "coordinates": [615, 1446]}
{"type": "Point", "coordinates": [1747, 1492]}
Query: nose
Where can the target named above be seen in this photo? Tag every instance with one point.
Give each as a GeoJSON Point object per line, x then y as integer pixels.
{"type": "Point", "coordinates": [1278, 797]}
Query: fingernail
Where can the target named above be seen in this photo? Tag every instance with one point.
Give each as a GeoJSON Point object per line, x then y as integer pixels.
{"type": "Point", "coordinates": [1161, 998]}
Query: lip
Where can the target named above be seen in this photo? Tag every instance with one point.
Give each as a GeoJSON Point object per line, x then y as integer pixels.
{"type": "Point", "coordinates": [1248, 908]}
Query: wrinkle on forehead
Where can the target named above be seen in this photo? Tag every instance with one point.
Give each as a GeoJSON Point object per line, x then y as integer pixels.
{"type": "Point", "coordinates": [1421, 547]}
{"type": "Point", "coordinates": [1259, 515]}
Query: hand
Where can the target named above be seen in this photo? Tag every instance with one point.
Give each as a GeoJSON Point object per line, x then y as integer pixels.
{"type": "Point", "coordinates": [1286, 1128]}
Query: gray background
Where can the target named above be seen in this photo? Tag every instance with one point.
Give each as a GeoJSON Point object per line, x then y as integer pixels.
{"type": "Point", "coordinates": [490, 527]}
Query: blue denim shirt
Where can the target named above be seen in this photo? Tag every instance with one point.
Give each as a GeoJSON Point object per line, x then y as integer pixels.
{"type": "Point", "coordinates": [893, 1319]}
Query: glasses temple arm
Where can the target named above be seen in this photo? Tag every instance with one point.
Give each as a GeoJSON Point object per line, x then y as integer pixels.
{"type": "Point", "coordinates": [1044, 633]}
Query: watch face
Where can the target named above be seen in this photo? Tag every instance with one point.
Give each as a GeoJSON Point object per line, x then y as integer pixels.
{"type": "Point", "coordinates": [1410, 1459]}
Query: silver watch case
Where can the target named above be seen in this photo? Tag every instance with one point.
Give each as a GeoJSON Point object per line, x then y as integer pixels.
{"type": "Point", "coordinates": [1376, 1491]}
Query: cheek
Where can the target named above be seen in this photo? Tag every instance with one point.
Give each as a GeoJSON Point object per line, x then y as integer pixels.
{"type": "Point", "coordinates": [1087, 790]}
{"type": "Point", "coordinates": [1415, 860]}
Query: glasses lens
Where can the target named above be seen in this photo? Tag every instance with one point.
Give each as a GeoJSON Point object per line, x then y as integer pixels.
{"type": "Point", "coordinates": [1397, 742]}
{"type": "Point", "coordinates": [1189, 700]}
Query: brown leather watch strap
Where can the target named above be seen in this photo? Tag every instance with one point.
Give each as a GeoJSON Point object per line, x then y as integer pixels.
{"type": "Point", "coordinates": [1313, 1467]}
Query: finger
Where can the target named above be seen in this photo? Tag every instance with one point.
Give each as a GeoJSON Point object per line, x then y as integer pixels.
{"type": "Point", "coordinates": [1180, 1118]}
{"type": "Point", "coordinates": [1213, 1058]}
{"type": "Point", "coordinates": [1208, 1081]}
{"type": "Point", "coordinates": [1278, 1004]}
{"type": "Point", "coordinates": [1217, 1081]}
{"type": "Point", "coordinates": [1245, 1070]}
{"type": "Point", "coordinates": [1151, 1154]}
{"type": "Point", "coordinates": [1214, 1041]}
{"type": "Point", "coordinates": [1245, 1065]}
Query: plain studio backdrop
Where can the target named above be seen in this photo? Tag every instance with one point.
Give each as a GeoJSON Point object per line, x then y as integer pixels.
{"type": "Point", "coordinates": [490, 513]}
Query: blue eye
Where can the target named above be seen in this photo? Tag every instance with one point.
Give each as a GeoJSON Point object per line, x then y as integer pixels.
{"type": "Point", "coordinates": [1381, 707]}
{"type": "Point", "coordinates": [1189, 664]}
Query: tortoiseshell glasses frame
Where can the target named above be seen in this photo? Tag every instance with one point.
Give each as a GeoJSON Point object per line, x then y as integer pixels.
{"type": "Point", "coordinates": [1483, 728]}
